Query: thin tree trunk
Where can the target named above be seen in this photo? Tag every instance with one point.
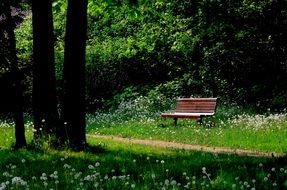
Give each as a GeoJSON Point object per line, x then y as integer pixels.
{"type": "Point", "coordinates": [17, 90]}
{"type": "Point", "coordinates": [74, 74]}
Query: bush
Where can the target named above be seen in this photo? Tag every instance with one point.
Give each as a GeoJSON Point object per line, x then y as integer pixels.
{"type": "Point", "coordinates": [183, 47]}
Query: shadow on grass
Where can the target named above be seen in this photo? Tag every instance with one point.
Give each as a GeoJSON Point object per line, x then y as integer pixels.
{"type": "Point", "coordinates": [140, 163]}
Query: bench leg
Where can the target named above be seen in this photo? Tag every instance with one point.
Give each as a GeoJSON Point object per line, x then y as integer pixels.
{"type": "Point", "coordinates": [175, 121]}
{"type": "Point", "coordinates": [200, 120]}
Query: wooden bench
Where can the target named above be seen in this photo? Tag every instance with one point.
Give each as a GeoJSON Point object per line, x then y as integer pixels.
{"type": "Point", "coordinates": [193, 108]}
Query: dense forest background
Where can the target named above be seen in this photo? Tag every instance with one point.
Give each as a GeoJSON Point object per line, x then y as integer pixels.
{"type": "Point", "coordinates": [232, 50]}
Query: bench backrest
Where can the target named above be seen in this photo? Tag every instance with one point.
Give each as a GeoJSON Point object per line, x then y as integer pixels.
{"type": "Point", "coordinates": [196, 105]}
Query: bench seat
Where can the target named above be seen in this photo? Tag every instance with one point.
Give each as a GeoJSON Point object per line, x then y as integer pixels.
{"type": "Point", "coordinates": [192, 108]}
{"type": "Point", "coordinates": [186, 115]}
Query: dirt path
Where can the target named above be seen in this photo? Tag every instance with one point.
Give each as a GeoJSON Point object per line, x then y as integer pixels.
{"type": "Point", "coordinates": [158, 143]}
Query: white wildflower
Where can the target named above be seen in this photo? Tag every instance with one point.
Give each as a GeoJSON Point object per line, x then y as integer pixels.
{"type": "Point", "coordinates": [173, 182]}
{"type": "Point", "coordinates": [166, 182]}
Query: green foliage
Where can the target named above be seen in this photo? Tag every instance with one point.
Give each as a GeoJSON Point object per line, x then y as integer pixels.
{"type": "Point", "coordinates": [130, 105]}
{"type": "Point", "coordinates": [24, 36]}
{"type": "Point", "coordinates": [168, 39]}
{"type": "Point", "coordinates": [232, 50]}
{"type": "Point", "coordinates": [59, 6]}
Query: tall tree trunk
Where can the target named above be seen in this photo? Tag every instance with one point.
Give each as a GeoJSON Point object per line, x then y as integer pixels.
{"type": "Point", "coordinates": [17, 90]}
{"type": "Point", "coordinates": [46, 117]}
{"type": "Point", "coordinates": [74, 74]}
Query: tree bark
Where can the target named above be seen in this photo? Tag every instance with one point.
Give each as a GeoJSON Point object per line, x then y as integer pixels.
{"type": "Point", "coordinates": [74, 74]}
{"type": "Point", "coordinates": [46, 118]}
{"type": "Point", "coordinates": [17, 90]}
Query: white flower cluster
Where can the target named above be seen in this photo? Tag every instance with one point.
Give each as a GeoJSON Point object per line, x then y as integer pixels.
{"type": "Point", "coordinates": [2, 186]}
{"type": "Point", "coordinates": [257, 122]}
{"type": "Point", "coordinates": [18, 181]}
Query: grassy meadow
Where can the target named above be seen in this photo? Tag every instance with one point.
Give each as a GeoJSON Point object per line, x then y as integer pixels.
{"type": "Point", "coordinates": [231, 127]}
{"type": "Point", "coordinates": [108, 164]}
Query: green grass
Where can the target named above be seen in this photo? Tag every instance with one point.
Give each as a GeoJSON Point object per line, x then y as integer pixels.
{"type": "Point", "coordinates": [252, 132]}
{"type": "Point", "coordinates": [109, 164]}
{"type": "Point", "coordinates": [7, 137]}
{"type": "Point", "coordinates": [114, 165]}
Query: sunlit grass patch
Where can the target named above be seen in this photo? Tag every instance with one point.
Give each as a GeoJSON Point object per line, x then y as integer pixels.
{"type": "Point", "coordinates": [6, 136]}
{"type": "Point", "coordinates": [7, 133]}
{"type": "Point", "coordinates": [229, 128]}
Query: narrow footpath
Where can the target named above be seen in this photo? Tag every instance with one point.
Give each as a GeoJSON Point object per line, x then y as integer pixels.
{"type": "Point", "coordinates": [218, 150]}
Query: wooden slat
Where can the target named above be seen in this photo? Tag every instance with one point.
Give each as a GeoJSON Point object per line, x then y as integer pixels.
{"type": "Point", "coordinates": [195, 111]}
{"type": "Point", "coordinates": [193, 102]}
{"type": "Point", "coordinates": [171, 115]}
{"type": "Point", "coordinates": [196, 105]}
{"type": "Point", "coordinates": [198, 99]}
{"type": "Point", "coordinates": [193, 108]}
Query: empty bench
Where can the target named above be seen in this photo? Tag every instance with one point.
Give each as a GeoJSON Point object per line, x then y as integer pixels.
{"type": "Point", "coordinates": [192, 108]}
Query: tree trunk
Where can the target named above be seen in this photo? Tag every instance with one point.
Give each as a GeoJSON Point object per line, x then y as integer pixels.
{"type": "Point", "coordinates": [17, 90]}
{"type": "Point", "coordinates": [74, 74]}
{"type": "Point", "coordinates": [46, 118]}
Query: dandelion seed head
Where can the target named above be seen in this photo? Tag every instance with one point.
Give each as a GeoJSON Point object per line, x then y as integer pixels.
{"type": "Point", "coordinates": [166, 182]}
{"type": "Point", "coordinates": [203, 169]}
{"type": "Point", "coordinates": [173, 182]}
